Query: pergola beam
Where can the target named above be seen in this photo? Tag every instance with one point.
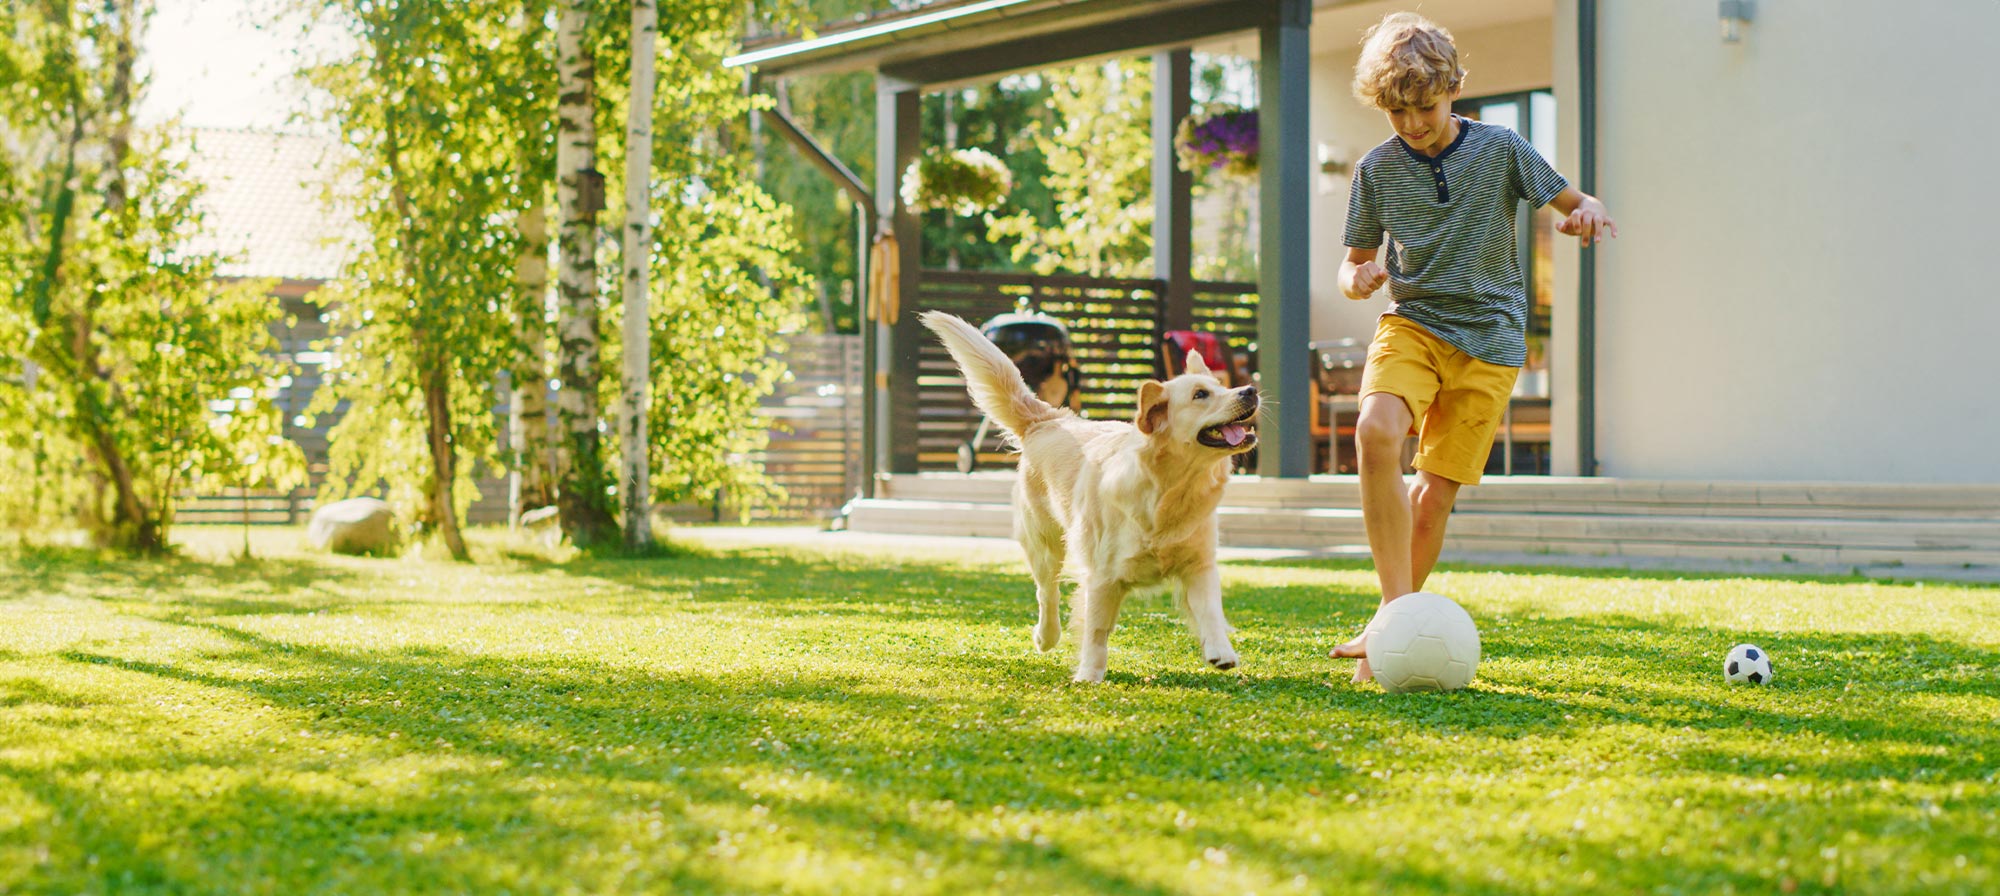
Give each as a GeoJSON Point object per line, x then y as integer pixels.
{"type": "Point", "coordinates": [821, 159]}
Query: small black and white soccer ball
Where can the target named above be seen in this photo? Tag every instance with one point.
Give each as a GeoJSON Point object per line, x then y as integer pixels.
{"type": "Point", "coordinates": [1747, 664]}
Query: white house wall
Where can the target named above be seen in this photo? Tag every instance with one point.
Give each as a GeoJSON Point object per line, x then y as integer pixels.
{"type": "Point", "coordinates": [1802, 289]}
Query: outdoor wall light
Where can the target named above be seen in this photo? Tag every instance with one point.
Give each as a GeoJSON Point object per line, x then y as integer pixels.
{"type": "Point", "coordinates": [1332, 159]}
{"type": "Point", "coordinates": [1735, 14]}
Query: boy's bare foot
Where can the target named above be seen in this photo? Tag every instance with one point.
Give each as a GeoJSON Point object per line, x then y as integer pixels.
{"type": "Point", "coordinates": [1355, 649]}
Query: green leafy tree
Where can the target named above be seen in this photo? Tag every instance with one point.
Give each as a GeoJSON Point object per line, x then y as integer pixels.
{"type": "Point", "coordinates": [1095, 143]}
{"type": "Point", "coordinates": [1002, 118]}
{"type": "Point", "coordinates": [437, 184]}
{"type": "Point", "coordinates": [130, 374]}
{"type": "Point", "coordinates": [838, 110]}
{"type": "Point", "coordinates": [724, 286]}
{"type": "Point", "coordinates": [451, 110]}
{"type": "Point", "coordinates": [1098, 151]}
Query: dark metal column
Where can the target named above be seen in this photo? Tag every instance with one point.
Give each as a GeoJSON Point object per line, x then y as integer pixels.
{"type": "Point", "coordinates": [897, 117]}
{"type": "Point", "coordinates": [1284, 271]}
{"type": "Point", "coordinates": [1173, 190]}
{"type": "Point", "coordinates": [1586, 277]}
{"type": "Point", "coordinates": [871, 404]}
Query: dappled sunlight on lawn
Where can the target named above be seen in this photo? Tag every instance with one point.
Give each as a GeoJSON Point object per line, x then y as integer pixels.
{"type": "Point", "coordinates": [763, 720]}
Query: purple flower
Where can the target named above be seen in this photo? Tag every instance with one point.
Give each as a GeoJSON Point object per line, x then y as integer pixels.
{"type": "Point", "coordinates": [1220, 137]}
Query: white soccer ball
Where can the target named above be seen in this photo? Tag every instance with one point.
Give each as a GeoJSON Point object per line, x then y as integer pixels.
{"type": "Point", "coordinates": [1422, 642]}
{"type": "Point", "coordinates": [1747, 664]}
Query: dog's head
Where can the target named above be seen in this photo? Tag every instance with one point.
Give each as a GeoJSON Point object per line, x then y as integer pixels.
{"type": "Point", "coordinates": [1196, 409]}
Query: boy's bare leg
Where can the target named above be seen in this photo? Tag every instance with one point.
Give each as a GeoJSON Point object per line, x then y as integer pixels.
{"type": "Point", "coordinates": [1431, 500]}
{"type": "Point", "coordinates": [1385, 504]}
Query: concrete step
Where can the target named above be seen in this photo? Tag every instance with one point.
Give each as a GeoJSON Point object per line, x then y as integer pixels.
{"type": "Point", "coordinates": [1806, 540]}
{"type": "Point", "coordinates": [915, 517]}
{"type": "Point", "coordinates": [1562, 495]}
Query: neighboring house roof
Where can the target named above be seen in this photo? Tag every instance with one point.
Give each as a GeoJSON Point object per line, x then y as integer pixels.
{"type": "Point", "coordinates": [264, 205]}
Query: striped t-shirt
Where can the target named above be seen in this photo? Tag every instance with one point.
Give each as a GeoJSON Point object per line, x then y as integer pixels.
{"type": "Point", "coordinates": [1450, 222]}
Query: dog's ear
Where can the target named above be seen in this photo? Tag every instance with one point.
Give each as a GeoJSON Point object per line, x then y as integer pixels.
{"type": "Point", "coordinates": [1195, 364]}
{"type": "Point", "coordinates": [1152, 407]}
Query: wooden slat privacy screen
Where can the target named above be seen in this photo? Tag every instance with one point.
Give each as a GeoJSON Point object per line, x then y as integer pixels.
{"type": "Point", "coordinates": [1114, 331]}
{"type": "Point", "coordinates": [815, 427]}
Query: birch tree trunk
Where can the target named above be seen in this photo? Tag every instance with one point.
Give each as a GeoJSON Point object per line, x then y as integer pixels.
{"type": "Point", "coordinates": [529, 481]}
{"type": "Point", "coordinates": [636, 482]}
{"type": "Point", "coordinates": [585, 507]}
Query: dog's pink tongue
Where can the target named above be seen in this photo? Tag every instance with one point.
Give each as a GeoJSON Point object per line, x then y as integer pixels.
{"type": "Point", "coordinates": [1233, 434]}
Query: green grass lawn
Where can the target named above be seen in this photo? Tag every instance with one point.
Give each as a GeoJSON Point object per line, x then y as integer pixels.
{"type": "Point", "coordinates": [866, 721]}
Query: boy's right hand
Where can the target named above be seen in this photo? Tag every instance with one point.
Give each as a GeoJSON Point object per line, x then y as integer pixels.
{"type": "Point", "coordinates": [1368, 277]}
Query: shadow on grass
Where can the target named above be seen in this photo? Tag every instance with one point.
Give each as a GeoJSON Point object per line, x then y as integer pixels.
{"type": "Point", "coordinates": [543, 761]}
{"type": "Point", "coordinates": [512, 735]}
{"type": "Point", "coordinates": [256, 585]}
{"type": "Point", "coordinates": [617, 739]}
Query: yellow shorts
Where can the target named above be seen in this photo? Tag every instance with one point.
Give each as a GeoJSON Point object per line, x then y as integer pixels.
{"type": "Point", "coordinates": [1456, 400]}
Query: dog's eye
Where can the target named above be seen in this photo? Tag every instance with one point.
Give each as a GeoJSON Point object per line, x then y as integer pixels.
{"type": "Point", "coordinates": [1200, 394]}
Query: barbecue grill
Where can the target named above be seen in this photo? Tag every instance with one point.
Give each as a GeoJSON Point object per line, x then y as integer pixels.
{"type": "Point", "coordinates": [1040, 349]}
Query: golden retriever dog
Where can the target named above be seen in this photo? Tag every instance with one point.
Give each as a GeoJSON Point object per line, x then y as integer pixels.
{"type": "Point", "coordinates": [1123, 506]}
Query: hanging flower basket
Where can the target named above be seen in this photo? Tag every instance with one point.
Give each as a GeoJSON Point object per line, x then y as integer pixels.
{"type": "Point", "coordinates": [962, 181]}
{"type": "Point", "coordinates": [1220, 136]}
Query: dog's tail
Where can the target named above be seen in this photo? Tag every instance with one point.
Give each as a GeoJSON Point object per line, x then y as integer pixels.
{"type": "Point", "coordinates": [995, 384]}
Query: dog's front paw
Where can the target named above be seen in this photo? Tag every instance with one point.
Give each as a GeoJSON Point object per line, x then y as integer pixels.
{"type": "Point", "coordinates": [1047, 635]}
{"type": "Point", "coordinates": [1224, 658]}
{"type": "Point", "coordinates": [1089, 674]}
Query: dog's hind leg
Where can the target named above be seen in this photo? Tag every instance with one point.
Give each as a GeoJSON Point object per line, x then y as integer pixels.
{"type": "Point", "coordinates": [1203, 593]}
{"type": "Point", "coordinates": [1044, 547]}
{"type": "Point", "coordinates": [1101, 600]}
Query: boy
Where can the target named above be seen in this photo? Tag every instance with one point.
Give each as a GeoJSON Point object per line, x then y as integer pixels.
{"type": "Point", "coordinates": [1446, 353]}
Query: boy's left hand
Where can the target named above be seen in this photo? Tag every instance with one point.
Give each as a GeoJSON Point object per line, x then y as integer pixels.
{"type": "Point", "coordinates": [1590, 222]}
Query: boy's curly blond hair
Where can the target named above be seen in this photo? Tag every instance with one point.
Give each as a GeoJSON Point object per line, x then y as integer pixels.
{"type": "Point", "coordinates": [1407, 62]}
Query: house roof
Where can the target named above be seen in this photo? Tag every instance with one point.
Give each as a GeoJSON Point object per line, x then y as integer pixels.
{"type": "Point", "coordinates": [263, 204]}
{"type": "Point", "coordinates": [879, 27]}
{"type": "Point", "coordinates": [953, 40]}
